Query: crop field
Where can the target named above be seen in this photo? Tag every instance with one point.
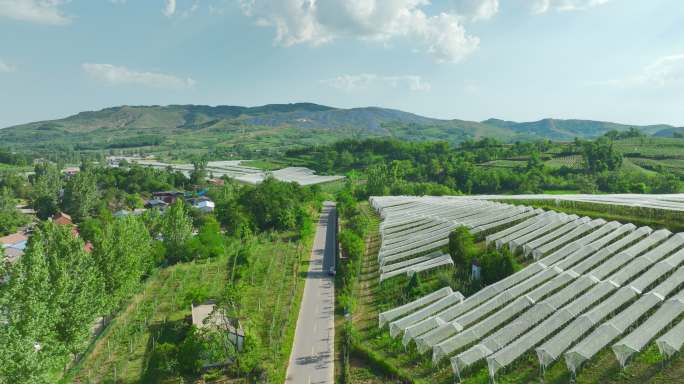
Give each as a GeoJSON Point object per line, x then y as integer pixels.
{"type": "Point", "coordinates": [570, 161]}
{"type": "Point", "coordinates": [652, 147]}
{"type": "Point", "coordinates": [597, 301]}
{"type": "Point", "coordinates": [124, 352]}
{"type": "Point", "coordinates": [505, 163]}
{"type": "Point", "coordinates": [675, 166]}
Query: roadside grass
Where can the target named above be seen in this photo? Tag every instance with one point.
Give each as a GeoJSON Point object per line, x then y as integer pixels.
{"type": "Point", "coordinates": [645, 367]}
{"type": "Point", "coordinates": [332, 187]}
{"type": "Point", "coordinates": [270, 297]}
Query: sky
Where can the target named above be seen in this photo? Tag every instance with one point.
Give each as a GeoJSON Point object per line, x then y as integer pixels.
{"type": "Point", "coordinates": [522, 60]}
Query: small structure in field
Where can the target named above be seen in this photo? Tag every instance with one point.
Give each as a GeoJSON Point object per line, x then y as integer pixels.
{"type": "Point", "coordinates": [208, 315]}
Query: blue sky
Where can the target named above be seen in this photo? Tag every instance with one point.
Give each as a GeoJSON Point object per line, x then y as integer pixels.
{"type": "Point", "coordinates": [616, 60]}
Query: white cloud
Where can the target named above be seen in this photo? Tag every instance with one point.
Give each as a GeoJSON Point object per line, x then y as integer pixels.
{"type": "Point", "coordinates": [6, 67]}
{"type": "Point", "coordinates": [118, 75]}
{"type": "Point", "coordinates": [318, 22]}
{"type": "Point", "coordinates": [366, 80]}
{"type": "Point", "coordinates": [543, 6]}
{"type": "Point", "coordinates": [36, 11]}
{"type": "Point", "coordinates": [666, 71]}
{"type": "Point", "coordinates": [169, 8]}
{"type": "Point", "coordinates": [476, 10]}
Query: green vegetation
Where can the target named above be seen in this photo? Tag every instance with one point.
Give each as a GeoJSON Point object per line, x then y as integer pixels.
{"type": "Point", "coordinates": [363, 348]}
{"type": "Point", "coordinates": [241, 132]}
{"type": "Point", "coordinates": [151, 342]}
{"type": "Point", "coordinates": [375, 357]}
{"type": "Point", "coordinates": [139, 273]}
{"type": "Point", "coordinates": [10, 217]}
{"type": "Point", "coordinates": [392, 167]}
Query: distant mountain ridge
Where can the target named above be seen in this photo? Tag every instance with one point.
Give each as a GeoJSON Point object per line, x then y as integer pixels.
{"type": "Point", "coordinates": [116, 125]}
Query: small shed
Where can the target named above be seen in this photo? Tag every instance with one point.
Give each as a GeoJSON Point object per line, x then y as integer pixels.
{"type": "Point", "coordinates": [208, 315]}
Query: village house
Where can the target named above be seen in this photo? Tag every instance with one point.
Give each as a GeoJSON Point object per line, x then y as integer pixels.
{"type": "Point", "coordinates": [13, 245]}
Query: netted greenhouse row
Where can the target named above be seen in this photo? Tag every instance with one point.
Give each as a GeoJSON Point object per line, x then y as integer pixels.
{"type": "Point", "coordinates": [518, 348]}
{"type": "Point", "coordinates": [673, 202]}
{"type": "Point", "coordinates": [595, 285]}
{"type": "Point", "coordinates": [413, 231]}
{"type": "Point", "coordinates": [509, 342]}
{"type": "Point", "coordinates": [534, 288]}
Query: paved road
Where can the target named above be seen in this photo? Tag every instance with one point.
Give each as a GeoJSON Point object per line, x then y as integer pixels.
{"type": "Point", "coordinates": [311, 360]}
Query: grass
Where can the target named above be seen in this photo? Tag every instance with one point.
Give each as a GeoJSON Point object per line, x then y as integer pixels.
{"type": "Point", "coordinates": [675, 166]}
{"type": "Point", "coordinates": [122, 352]}
{"type": "Point", "coordinates": [508, 164]}
{"type": "Point", "coordinates": [570, 161]}
{"type": "Point", "coordinates": [332, 187]}
{"type": "Point", "coordinates": [646, 367]}
{"type": "Point", "coordinates": [270, 298]}
{"type": "Point", "coordinates": [652, 147]}
{"type": "Point", "coordinates": [268, 165]}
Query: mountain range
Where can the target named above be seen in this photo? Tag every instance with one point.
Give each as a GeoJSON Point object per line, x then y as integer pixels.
{"type": "Point", "coordinates": [283, 125]}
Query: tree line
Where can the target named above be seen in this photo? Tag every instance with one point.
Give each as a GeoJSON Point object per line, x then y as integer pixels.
{"type": "Point", "coordinates": [393, 167]}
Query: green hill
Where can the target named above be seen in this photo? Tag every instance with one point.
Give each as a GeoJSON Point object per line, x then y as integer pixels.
{"type": "Point", "coordinates": [275, 127]}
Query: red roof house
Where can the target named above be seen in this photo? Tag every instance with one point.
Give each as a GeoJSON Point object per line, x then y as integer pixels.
{"type": "Point", "coordinates": [62, 219]}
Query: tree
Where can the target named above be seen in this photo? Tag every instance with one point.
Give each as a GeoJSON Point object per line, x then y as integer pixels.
{"type": "Point", "coordinates": [10, 217]}
{"type": "Point", "coordinates": [461, 247]}
{"type": "Point", "coordinates": [47, 183]}
{"type": "Point", "coordinates": [122, 253]}
{"type": "Point", "coordinates": [28, 321]}
{"type": "Point", "coordinates": [378, 180]}
{"type": "Point", "coordinates": [209, 243]}
{"type": "Point", "coordinates": [81, 195]}
{"type": "Point", "coordinates": [535, 162]}
{"type": "Point", "coordinates": [600, 155]}
{"type": "Point", "coordinates": [497, 264]}
{"type": "Point", "coordinates": [75, 284]}
{"type": "Point", "coordinates": [667, 183]}
{"type": "Point", "coordinates": [177, 230]}
{"type": "Point", "coordinates": [198, 175]}
{"type": "Point", "coordinates": [51, 299]}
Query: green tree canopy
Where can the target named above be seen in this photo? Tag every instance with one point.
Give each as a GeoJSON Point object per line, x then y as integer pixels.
{"type": "Point", "coordinates": [461, 246]}
{"type": "Point", "coordinates": [177, 230]}
{"type": "Point", "coordinates": [81, 195]}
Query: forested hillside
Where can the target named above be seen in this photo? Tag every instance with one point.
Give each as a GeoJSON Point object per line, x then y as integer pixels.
{"type": "Point", "coordinates": [277, 127]}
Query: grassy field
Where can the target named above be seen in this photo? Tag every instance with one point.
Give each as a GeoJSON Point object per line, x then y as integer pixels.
{"type": "Point", "coordinates": [570, 161]}
{"type": "Point", "coordinates": [652, 147]}
{"type": "Point", "coordinates": [510, 164]}
{"type": "Point", "coordinates": [646, 367]}
{"type": "Point", "coordinates": [675, 166]}
{"type": "Point", "coordinates": [270, 301]}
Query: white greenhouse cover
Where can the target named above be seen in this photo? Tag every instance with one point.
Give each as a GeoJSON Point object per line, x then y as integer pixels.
{"type": "Point", "coordinates": [398, 312]}
{"type": "Point", "coordinates": [562, 305]}
{"type": "Point", "coordinates": [671, 342]}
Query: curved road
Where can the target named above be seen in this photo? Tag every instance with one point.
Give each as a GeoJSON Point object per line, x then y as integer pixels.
{"type": "Point", "coordinates": [311, 360]}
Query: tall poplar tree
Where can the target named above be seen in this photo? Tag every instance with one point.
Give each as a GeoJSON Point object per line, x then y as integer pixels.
{"type": "Point", "coordinates": [176, 229]}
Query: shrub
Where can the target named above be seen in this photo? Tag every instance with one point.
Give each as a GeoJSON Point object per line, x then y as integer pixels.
{"type": "Point", "coordinates": [461, 247]}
